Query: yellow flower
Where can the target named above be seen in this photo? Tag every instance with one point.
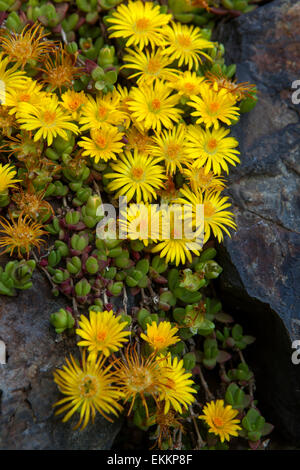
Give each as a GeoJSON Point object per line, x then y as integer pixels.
{"type": "Point", "coordinates": [216, 215]}
{"type": "Point", "coordinates": [176, 384]}
{"type": "Point", "coordinates": [138, 377]}
{"type": "Point", "coordinates": [10, 77]}
{"type": "Point", "coordinates": [31, 93]}
{"type": "Point", "coordinates": [136, 175]}
{"type": "Point", "coordinates": [30, 45]}
{"type": "Point", "coordinates": [88, 389]}
{"type": "Point", "coordinates": [106, 109]}
{"type": "Point", "coordinates": [160, 336]}
{"type": "Point", "coordinates": [102, 333]}
{"type": "Point", "coordinates": [199, 179]}
{"type": "Point", "coordinates": [140, 22]}
{"type": "Point", "coordinates": [220, 419]}
{"type": "Point", "coordinates": [174, 245]}
{"type": "Point", "coordinates": [49, 120]}
{"type": "Point", "coordinates": [73, 101]}
{"type": "Point", "coordinates": [153, 106]}
{"type": "Point", "coordinates": [171, 147]}
{"type": "Point", "coordinates": [7, 177]}
{"type": "Point", "coordinates": [149, 66]}
{"type": "Point", "coordinates": [185, 44]}
{"type": "Point", "coordinates": [104, 143]}
{"type": "Point", "coordinates": [214, 106]}
{"type": "Point", "coordinates": [141, 222]}
{"type": "Point", "coordinates": [187, 83]}
{"type": "Point", "coordinates": [22, 235]}
{"type": "Point", "coordinates": [211, 149]}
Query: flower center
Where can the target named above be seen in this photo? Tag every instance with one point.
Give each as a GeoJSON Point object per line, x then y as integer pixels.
{"type": "Point", "coordinates": [142, 24]}
{"type": "Point", "coordinates": [156, 104]}
{"type": "Point", "coordinates": [102, 111]}
{"type": "Point", "coordinates": [137, 173]}
{"type": "Point", "coordinates": [218, 422]}
{"type": "Point", "coordinates": [101, 335]}
{"type": "Point", "coordinates": [23, 49]}
{"type": "Point", "coordinates": [214, 107]}
{"type": "Point", "coordinates": [209, 210]}
{"type": "Point", "coordinates": [154, 66]}
{"type": "Point", "coordinates": [49, 117]}
{"type": "Point", "coordinates": [100, 141]}
{"type": "Point", "coordinates": [184, 41]}
{"type": "Point", "coordinates": [159, 340]}
{"type": "Point", "coordinates": [173, 151]}
{"type": "Point", "coordinates": [189, 87]}
{"type": "Point", "coordinates": [212, 144]}
{"type": "Point", "coordinates": [88, 386]}
{"type": "Point", "coordinates": [24, 97]}
{"type": "Point", "coordinates": [73, 105]}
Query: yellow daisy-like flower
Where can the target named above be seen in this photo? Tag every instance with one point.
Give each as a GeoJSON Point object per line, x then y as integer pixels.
{"type": "Point", "coordinates": [220, 419]}
{"type": "Point", "coordinates": [88, 389]}
{"type": "Point", "coordinates": [136, 175]}
{"type": "Point", "coordinates": [48, 119]}
{"type": "Point", "coordinates": [199, 179]}
{"type": "Point", "coordinates": [154, 106]}
{"type": "Point", "coordinates": [171, 148]}
{"type": "Point", "coordinates": [10, 77]}
{"type": "Point", "coordinates": [176, 384]}
{"type": "Point", "coordinates": [185, 44]}
{"type": "Point", "coordinates": [30, 45]}
{"type": "Point", "coordinates": [22, 235]}
{"type": "Point", "coordinates": [7, 178]}
{"type": "Point", "coordinates": [216, 215]}
{"type": "Point", "coordinates": [138, 140]}
{"type": "Point", "coordinates": [214, 106]}
{"type": "Point", "coordinates": [104, 110]}
{"type": "Point", "coordinates": [187, 84]}
{"type": "Point", "coordinates": [102, 333]}
{"type": "Point", "coordinates": [141, 222]}
{"type": "Point", "coordinates": [160, 336]}
{"type": "Point", "coordinates": [150, 66]}
{"type": "Point", "coordinates": [212, 149]}
{"type": "Point", "coordinates": [72, 101]}
{"type": "Point", "coordinates": [104, 143]}
{"type": "Point", "coordinates": [138, 377]}
{"type": "Point", "coordinates": [140, 22]}
{"type": "Point", "coordinates": [174, 245]}
{"type": "Point", "coordinates": [31, 93]}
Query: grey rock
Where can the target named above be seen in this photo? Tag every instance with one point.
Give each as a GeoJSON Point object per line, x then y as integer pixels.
{"type": "Point", "coordinates": [27, 390]}
{"type": "Point", "coordinates": [262, 259]}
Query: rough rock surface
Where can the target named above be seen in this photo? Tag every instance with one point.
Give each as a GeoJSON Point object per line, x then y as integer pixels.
{"type": "Point", "coordinates": [27, 390]}
{"type": "Point", "coordinates": [262, 259]}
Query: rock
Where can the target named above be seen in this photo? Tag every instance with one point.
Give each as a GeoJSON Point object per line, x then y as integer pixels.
{"type": "Point", "coordinates": [27, 390]}
{"type": "Point", "coordinates": [261, 261]}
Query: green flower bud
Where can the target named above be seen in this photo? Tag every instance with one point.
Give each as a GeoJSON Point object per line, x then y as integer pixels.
{"type": "Point", "coordinates": [60, 276]}
{"type": "Point", "coordinates": [62, 247]}
{"type": "Point", "coordinates": [54, 258]}
{"type": "Point", "coordinates": [72, 217]}
{"type": "Point", "coordinates": [212, 269]}
{"type": "Point", "coordinates": [189, 361]}
{"type": "Point", "coordinates": [110, 273]}
{"type": "Point", "coordinates": [82, 288]}
{"type": "Point", "coordinates": [116, 288]}
{"type": "Point", "coordinates": [79, 242]}
{"type": "Point", "coordinates": [74, 265]}
{"type": "Point", "coordinates": [62, 320]}
{"type": "Point", "coordinates": [92, 265]}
